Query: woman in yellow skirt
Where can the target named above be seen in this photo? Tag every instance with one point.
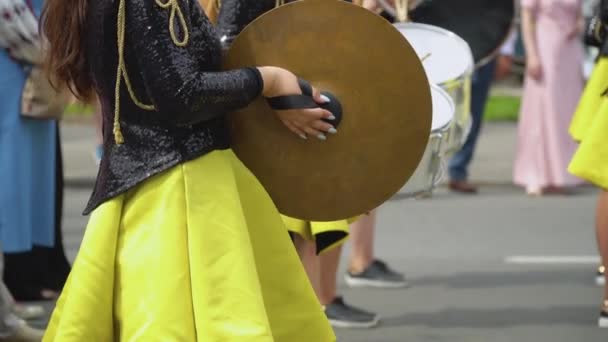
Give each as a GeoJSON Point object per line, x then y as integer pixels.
{"type": "Point", "coordinates": [319, 245]}
{"type": "Point", "coordinates": [183, 243]}
{"type": "Point", "coordinates": [590, 162]}
{"type": "Point", "coordinates": [591, 99]}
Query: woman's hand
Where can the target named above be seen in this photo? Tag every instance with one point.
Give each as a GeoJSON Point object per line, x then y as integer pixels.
{"type": "Point", "coordinates": [534, 67]}
{"type": "Point", "coordinates": [504, 65]}
{"type": "Point", "coordinates": [303, 122]}
{"type": "Point", "coordinates": [371, 5]}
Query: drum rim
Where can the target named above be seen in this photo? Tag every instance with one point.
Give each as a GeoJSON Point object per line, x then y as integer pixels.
{"type": "Point", "coordinates": [445, 127]}
{"type": "Point", "coordinates": [476, 64]}
{"type": "Point", "coordinates": [471, 60]}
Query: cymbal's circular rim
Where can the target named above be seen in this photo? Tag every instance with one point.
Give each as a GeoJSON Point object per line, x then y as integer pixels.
{"type": "Point", "coordinates": [300, 195]}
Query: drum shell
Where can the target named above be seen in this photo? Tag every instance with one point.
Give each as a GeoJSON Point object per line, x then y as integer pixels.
{"type": "Point", "coordinates": [458, 87]}
{"type": "Point", "coordinates": [424, 178]}
{"type": "Point", "coordinates": [429, 170]}
{"type": "Point", "coordinates": [460, 92]}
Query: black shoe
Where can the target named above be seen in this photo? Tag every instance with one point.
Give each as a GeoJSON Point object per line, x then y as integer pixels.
{"type": "Point", "coordinates": [342, 315]}
{"type": "Point", "coordinates": [600, 279]}
{"type": "Point", "coordinates": [378, 274]}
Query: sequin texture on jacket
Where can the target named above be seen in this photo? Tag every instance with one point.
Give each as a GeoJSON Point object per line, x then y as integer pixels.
{"type": "Point", "coordinates": [186, 86]}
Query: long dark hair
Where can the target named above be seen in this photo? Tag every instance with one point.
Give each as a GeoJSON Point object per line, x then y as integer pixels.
{"type": "Point", "coordinates": [64, 25]}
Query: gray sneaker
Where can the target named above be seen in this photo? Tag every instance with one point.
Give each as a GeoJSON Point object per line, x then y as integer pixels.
{"type": "Point", "coordinates": [24, 333]}
{"type": "Point", "coordinates": [378, 274]}
{"type": "Point", "coordinates": [28, 312]}
{"type": "Point", "coordinates": [342, 315]}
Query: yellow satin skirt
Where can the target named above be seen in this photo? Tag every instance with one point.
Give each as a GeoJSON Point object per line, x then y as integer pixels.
{"type": "Point", "coordinates": [590, 162]}
{"type": "Point", "coordinates": [326, 235]}
{"type": "Point", "coordinates": [197, 253]}
{"type": "Point", "coordinates": [589, 126]}
{"type": "Point", "coordinates": [591, 100]}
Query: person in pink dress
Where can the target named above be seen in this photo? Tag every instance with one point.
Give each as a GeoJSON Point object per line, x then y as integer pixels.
{"type": "Point", "coordinates": [552, 87]}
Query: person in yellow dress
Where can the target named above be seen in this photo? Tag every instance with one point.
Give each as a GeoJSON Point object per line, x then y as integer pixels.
{"type": "Point", "coordinates": [183, 243]}
{"type": "Point", "coordinates": [590, 162]}
{"type": "Point", "coordinates": [319, 244]}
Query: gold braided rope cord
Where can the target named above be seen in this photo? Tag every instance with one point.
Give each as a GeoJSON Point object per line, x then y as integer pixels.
{"type": "Point", "coordinates": [597, 30]}
{"type": "Point", "coordinates": [121, 72]}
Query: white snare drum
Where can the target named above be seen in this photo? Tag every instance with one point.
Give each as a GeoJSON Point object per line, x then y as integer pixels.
{"type": "Point", "coordinates": [429, 170]}
{"type": "Point", "coordinates": [448, 62]}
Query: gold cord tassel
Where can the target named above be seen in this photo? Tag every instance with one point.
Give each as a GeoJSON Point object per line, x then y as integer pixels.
{"type": "Point", "coordinates": [176, 10]}
{"type": "Point", "coordinates": [597, 30]}
{"type": "Point", "coordinates": [279, 3]}
{"type": "Point", "coordinates": [121, 71]}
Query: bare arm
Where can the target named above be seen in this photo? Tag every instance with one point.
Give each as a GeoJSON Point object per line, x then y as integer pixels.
{"type": "Point", "coordinates": [533, 63]}
{"type": "Point", "coordinates": [528, 26]}
{"type": "Point", "coordinates": [580, 25]}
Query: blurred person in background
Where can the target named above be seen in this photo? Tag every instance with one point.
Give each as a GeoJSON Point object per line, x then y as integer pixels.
{"type": "Point", "coordinates": [589, 127]}
{"type": "Point", "coordinates": [31, 176]}
{"type": "Point", "coordinates": [12, 328]}
{"type": "Point", "coordinates": [553, 84]}
{"type": "Point", "coordinates": [319, 244]}
{"type": "Point", "coordinates": [497, 68]}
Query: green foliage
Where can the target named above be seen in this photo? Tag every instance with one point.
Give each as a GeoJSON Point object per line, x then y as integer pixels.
{"type": "Point", "coordinates": [502, 108]}
{"type": "Point", "coordinates": [77, 110]}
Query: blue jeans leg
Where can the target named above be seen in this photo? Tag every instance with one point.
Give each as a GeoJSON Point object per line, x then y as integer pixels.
{"type": "Point", "coordinates": [480, 87]}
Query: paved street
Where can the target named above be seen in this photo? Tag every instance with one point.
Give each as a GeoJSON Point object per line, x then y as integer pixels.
{"type": "Point", "coordinates": [468, 257]}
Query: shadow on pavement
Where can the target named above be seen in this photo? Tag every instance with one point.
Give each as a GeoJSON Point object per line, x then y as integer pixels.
{"type": "Point", "coordinates": [498, 318]}
{"type": "Point", "coordinates": [582, 276]}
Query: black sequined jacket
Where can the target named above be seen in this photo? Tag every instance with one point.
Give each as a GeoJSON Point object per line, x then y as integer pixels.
{"type": "Point", "coordinates": [236, 14]}
{"type": "Point", "coordinates": [189, 92]}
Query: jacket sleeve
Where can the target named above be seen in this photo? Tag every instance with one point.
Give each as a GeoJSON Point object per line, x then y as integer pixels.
{"type": "Point", "coordinates": [174, 79]}
{"type": "Point", "coordinates": [235, 15]}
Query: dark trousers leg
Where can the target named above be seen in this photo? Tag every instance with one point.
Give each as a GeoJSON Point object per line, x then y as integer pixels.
{"type": "Point", "coordinates": [480, 88]}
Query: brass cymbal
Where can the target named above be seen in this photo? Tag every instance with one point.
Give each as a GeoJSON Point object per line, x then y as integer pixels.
{"type": "Point", "coordinates": [385, 96]}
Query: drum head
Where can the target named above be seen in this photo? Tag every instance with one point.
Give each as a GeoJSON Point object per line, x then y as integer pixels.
{"type": "Point", "coordinates": [443, 109]}
{"type": "Point", "coordinates": [446, 56]}
{"type": "Point", "coordinates": [387, 109]}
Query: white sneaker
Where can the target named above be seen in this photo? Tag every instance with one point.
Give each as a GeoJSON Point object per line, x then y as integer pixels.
{"type": "Point", "coordinates": [600, 278]}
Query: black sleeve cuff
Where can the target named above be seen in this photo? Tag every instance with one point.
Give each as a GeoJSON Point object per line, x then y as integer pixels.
{"type": "Point", "coordinates": [260, 80]}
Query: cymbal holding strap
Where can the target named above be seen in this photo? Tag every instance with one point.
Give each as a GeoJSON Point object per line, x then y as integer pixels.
{"type": "Point", "coordinates": [306, 101]}
{"type": "Point", "coordinates": [386, 109]}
